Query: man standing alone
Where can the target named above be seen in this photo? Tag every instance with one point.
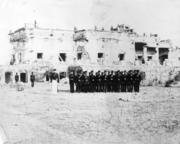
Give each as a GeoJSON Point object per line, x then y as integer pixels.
{"type": "Point", "coordinates": [16, 78]}
{"type": "Point", "coordinates": [32, 78]}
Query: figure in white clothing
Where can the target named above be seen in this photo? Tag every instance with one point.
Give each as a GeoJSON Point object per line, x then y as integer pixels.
{"type": "Point", "coordinates": [54, 82]}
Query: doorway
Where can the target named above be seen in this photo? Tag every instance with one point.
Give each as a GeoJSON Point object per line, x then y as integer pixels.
{"type": "Point", "coordinates": [23, 77]}
{"type": "Point", "coordinates": [8, 77]}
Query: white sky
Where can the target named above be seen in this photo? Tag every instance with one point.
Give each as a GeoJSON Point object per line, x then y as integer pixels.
{"type": "Point", "coordinates": [150, 16]}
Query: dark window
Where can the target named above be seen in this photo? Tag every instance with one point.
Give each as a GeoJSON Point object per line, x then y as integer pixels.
{"type": "Point", "coordinates": [39, 55]}
{"type": "Point", "coordinates": [121, 57]}
{"type": "Point", "coordinates": [140, 57]}
{"type": "Point", "coordinates": [100, 55]}
{"type": "Point", "coordinates": [62, 57]}
{"type": "Point", "coordinates": [79, 56]}
{"type": "Point", "coordinates": [149, 58]}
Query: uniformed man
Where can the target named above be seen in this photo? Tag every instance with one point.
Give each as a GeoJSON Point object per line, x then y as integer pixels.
{"type": "Point", "coordinates": [109, 81]}
{"type": "Point", "coordinates": [32, 79]}
{"type": "Point", "coordinates": [138, 79]}
{"type": "Point", "coordinates": [76, 81]}
{"type": "Point", "coordinates": [105, 82]}
{"type": "Point", "coordinates": [98, 81]}
{"type": "Point", "coordinates": [118, 81]}
{"type": "Point", "coordinates": [102, 82]}
{"type": "Point", "coordinates": [112, 81]}
{"type": "Point", "coordinates": [128, 79]}
{"type": "Point", "coordinates": [86, 82]}
{"type": "Point", "coordinates": [123, 82]}
{"type": "Point", "coordinates": [91, 82]}
{"type": "Point", "coordinates": [16, 78]}
{"type": "Point", "coordinates": [82, 81]}
{"type": "Point", "coordinates": [115, 81]}
{"type": "Point", "coordinates": [71, 82]}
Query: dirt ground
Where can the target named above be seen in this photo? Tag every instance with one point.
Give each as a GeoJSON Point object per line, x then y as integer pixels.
{"type": "Point", "coordinates": [36, 116]}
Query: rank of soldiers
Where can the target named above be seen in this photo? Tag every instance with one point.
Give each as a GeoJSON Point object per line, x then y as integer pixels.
{"type": "Point", "coordinates": [105, 81]}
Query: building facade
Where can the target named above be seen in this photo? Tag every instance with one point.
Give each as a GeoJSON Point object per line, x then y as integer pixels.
{"type": "Point", "coordinates": [119, 46]}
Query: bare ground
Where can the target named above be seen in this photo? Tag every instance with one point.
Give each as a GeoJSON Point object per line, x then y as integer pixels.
{"type": "Point", "coordinates": [36, 116]}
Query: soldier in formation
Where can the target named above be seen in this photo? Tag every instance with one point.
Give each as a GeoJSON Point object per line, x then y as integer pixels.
{"type": "Point", "coordinates": [103, 81]}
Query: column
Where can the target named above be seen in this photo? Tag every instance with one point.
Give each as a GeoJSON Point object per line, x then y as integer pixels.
{"type": "Point", "coordinates": [145, 53]}
{"type": "Point", "coordinates": [157, 55]}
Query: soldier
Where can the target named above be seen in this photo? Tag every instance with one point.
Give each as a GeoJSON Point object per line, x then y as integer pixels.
{"type": "Point", "coordinates": [82, 82]}
{"type": "Point", "coordinates": [109, 81]}
{"type": "Point", "coordinates": [131, 80]}
{"type": "Point", "coordinates": [71, 81]}
{"type": "Point", "coordinates": [98, 81]}
{"type": "Point", "coordinates": [128, 79]}
{"type": "Point", "coordinates": [91, 82]}
{"type": "Point", "coordinates": [51, 76]}
{"type": "Point", "coordinates": [101, 83]}
{"type": "Point", "coordinates": [138, 79]}
{"type": "Point", "coordinates": [112, 81]}
{"type": "Point", "coordinates": [118, 81]}
{"type": "Point", "coordinates": [86, 82]}
{"type": "Point", "coordinates": [76, 81]}
{"type": "Point", "coordinates": [123, 82]}
{"type": "Point", "coordinates": [115, 81]}
{"type": "Point", "coordinates": [16, 78]}
{"type": "Point", "coordinates": [105, 82]}
{"type": "Point", "coordinates": [32, 79]}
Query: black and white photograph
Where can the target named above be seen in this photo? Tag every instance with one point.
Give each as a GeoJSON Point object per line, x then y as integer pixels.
{"type": "Point", "coordinates": [89, 72]}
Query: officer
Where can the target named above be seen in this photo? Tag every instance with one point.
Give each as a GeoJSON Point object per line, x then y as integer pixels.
{"type": "Point", "coordinates": [32, 79]}
{"type": "Point", "coordinates": [71, 81]}
{"type": "Point", "coordinates": [16, 78]}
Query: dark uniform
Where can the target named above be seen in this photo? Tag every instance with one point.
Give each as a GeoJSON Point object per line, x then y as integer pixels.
{"type": "Point", "coordinates": [98, 81]}
{"type": "Point", "coordinates": [118, 81]}
{"type": "Point", "coordinates": [32, 79]}
{"type": "Point", "coordinates": [105, 82]}
{"type": "Point", "coordinates": [76, 82]}
{"type": "Point", "coordinates": [138, 79]}
{"type": "Point", "coordinates": [129, 81]}
{"type": "Point", "coordinates": [109, 82]}
{"type": "Point", "coordinates": [123, 82]}
{"type": "Point", "coordinates": [82, 82]}
{"type": "Point", "coordinates": [92, 87]}
{"type": "Point", "coordinates": [16, 78]}
{"type": "Point", "coordinates": [101, 82]}
{"type": "Point", "coordinates": [71, 82]}
{"type": "Point", "coordinates": [86, 82]}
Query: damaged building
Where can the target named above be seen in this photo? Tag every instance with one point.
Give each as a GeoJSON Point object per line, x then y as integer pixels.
{"type": "Point", "coordinates": [36, 48]}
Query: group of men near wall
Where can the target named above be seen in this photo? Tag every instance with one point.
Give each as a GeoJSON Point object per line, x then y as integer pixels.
{"type": "Point", "coordinates": [103, 81]}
